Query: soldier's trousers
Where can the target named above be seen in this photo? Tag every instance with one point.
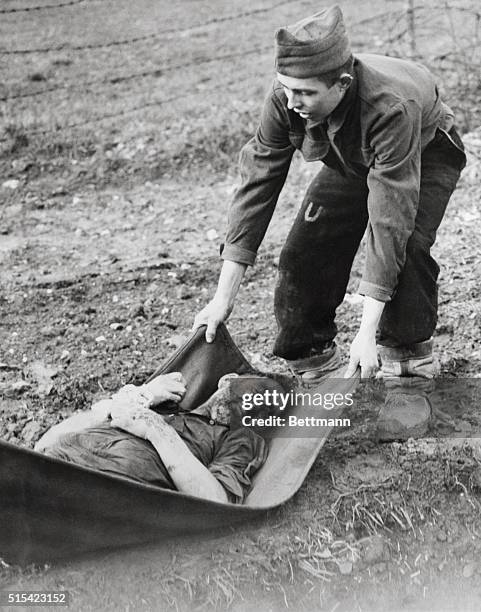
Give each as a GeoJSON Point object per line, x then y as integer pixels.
{"type": "Point", "coordinates": [316, 260]}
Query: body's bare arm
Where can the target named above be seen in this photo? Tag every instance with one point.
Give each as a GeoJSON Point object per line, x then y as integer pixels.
{"type": "Point", "coordinates": [77, 422]}
{"type": "Point", "coordinates": [187, 472]}
{"type": "Point", "coordinates": [162, 388]}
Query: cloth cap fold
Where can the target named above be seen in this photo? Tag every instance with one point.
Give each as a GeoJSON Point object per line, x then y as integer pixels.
{"type": "Point", "coordinates": [313, 46]}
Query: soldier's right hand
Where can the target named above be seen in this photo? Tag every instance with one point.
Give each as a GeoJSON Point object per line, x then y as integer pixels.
{"type": "Point", "coordinates": [215, 312]}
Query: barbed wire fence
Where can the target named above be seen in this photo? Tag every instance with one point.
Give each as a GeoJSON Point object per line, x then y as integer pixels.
{"type": "Point", "coordinates": [402, 32]}
{"type": "Point", "coordinates": [445, 37]}
{"type": "Point", "coordinates": [146, 37]}
{"type": "Point", "coordinates": [155, 72]}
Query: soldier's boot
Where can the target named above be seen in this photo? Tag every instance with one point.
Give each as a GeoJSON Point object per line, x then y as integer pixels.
{"type": "Point", "coordinates": [309, 371]}
{"type": "Point", "coordinates": [408, 374]}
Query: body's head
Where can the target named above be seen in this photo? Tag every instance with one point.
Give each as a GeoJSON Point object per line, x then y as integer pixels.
{"type": "Point", "coordinates": [227, 406]}
{"type": "Point", "coordinates": [314, 63]}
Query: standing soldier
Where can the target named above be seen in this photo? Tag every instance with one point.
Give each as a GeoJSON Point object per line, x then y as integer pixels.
{"type": "Point", "coordinates": [392, 159]}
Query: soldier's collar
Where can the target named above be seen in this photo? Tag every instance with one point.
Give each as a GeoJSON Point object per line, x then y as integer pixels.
{"type": "Point", "coordinates": [336, 119]}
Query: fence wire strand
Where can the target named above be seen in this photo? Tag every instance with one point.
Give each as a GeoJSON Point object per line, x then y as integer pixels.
{"type": "Point", "coordinates": [124, 111]}
{"type": "Point", "coordinates": [155, 72]}
{"type": "Point", "coordinates": [27, 9]}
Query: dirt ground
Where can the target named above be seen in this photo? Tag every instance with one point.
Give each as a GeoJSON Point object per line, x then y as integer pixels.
{"type": "Point", "coordinates": [109, 234]}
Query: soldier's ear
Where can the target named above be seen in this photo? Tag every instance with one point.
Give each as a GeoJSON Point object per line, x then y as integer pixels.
{"type": "Point", "coordinates": [345, 80]}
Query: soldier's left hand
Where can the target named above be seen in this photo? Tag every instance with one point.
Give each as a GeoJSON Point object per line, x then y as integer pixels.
{"type": "Point", "coordinates": [363, 353]}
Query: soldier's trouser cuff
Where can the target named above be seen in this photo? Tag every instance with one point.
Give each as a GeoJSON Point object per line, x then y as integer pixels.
{"type": "Point", "coordinates": [409, 385]}
{"type": "Point", "coordinates": [414, 360]}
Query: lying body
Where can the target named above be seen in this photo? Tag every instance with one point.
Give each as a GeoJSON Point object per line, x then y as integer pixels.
{"type": "Point", "coordinates": [197, 453]}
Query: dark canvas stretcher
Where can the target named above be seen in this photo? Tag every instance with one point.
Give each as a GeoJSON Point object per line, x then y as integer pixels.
{"type": "Point", "coordinates": [50, 508]}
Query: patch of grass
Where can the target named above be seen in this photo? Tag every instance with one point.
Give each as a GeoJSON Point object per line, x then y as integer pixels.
{"type": "Point", "coordinates": [17, 140]}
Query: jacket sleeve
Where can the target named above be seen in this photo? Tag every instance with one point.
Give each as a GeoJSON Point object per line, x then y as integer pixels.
{"type": "Point", "coordinates": [393, 183]}
{"type": "Point", "coordinates": [240, 454]}
{"type": "Point", "coordinates": [264, 164]}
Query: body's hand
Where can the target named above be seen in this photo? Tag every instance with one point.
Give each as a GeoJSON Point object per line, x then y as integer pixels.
{"type": "Point", "coordinates": [167, 387]}
{"type": "Point", "coordinates": [163, 388]}
{"type": "Point", "coordinates": [141, 422]}
{"type": "Point", "coordinates": [187, 472]}
{"type": "Point", "coordinates": [363, 353]}
{"type": "Point", "coordinates": [217, 311]}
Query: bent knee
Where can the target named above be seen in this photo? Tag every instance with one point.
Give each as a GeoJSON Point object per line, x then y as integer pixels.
{"type": "Point", "coordinates": [292, 259]}
{"type": "Point", "coordinates": [419, 244]}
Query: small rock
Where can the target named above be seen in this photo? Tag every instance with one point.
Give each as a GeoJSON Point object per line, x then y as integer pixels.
{"type": "Point", "coordinates": [463, 426]}
{"type": "Point", "coordinates": [476, 477]}
{"type": "Point", "coordinates": [374, 550]}
{"type": "Point", "coordinates": [31, 431]}
{"type": "Point", "coordinates": [468, 570]}
{"type": "Point", "coordinates": [137, 311]}
{"type": "Point", "coordinates": [116, 326]}
{"type": "Point", "coordinates": [184, 293]}
{"type": "Point", "coordinates": [59, 191]}
{"type": "Point", "coordinates": [65, 356]}
{"type": "Point", "coordinates": [441, 536]}
{"type": "Point", "coordinates": [11, 184]}
{"type": "Point", "coordinates": [43, 376]}
{"type": "Point", "coordinates": [6, 366]}
{"type": "Point", "coordinates": [176, 340]}
{"type": "Point", "coordinates": [345, 567]}
{"type": "Point", "coordinates": [100, 339]}
{"type": "Point", "coordinates": [212, 234]}
{"type": "Point", "coordinates": [14, 388]}
{"type": "Point", "coordinates": [48, 331]}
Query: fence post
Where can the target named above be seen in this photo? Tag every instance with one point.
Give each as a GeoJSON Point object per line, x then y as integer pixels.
{"type": "Point", "coordinates": [411, 28]}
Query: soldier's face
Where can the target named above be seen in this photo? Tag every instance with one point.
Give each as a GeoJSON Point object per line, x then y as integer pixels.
{"type": "Point", "coordinates": [311, 98]}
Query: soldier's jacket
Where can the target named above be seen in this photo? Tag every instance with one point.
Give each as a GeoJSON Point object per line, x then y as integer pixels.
{"type": "Point", "coordinates": [378, 131]}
